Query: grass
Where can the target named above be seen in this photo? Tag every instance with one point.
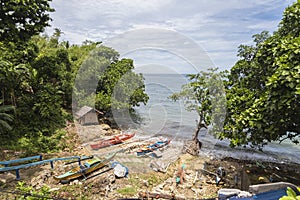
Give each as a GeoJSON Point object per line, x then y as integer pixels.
{"type": "Point", "coordinates": [127, 191]}
{"type": "Point", "coordinates": [136, 183]}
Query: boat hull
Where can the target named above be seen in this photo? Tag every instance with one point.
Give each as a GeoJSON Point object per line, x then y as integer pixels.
{"type": "Point", "coordinates": [89, 167]}
{"type": "Point", "coordinates": [112, 141]}
{"type": "Point", "coordinates": [153, 147]}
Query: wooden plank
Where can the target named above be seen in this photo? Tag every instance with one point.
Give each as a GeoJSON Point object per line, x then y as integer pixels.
{"type": "Point", "coordinates": [159, 196]}
{"type": "Point", "coordinates": [20, 160]}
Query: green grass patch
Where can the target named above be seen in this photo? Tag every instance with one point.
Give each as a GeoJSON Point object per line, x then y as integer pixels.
{"type": "Point", "coordinates": [127, 191]}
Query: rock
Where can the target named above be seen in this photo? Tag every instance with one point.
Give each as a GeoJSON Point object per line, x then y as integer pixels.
{"type": "Point", "coordinates": [108, 132]}
{"type": "Point", "coordinates": [146, 183]}
{"type": "Point", "coordinates": [169, 181]}
{"type": "Point", "coordinates": [157, 190]}
{"type": "Point", "coordinates": [53, 189]}
{"type": "Point", "coordinates": [172, 188]}
{"type": "Point", "coordinates": [111, 178]}
{"type": "Point", "coordinates": [7, 177]}
{"type": "Point", "coordinates": [2, 180]}
{"type": "Point", "coordinates": [161, 186]}
{"type": "Point", "coordinates": [194, 190]}
{"type": "Point", "coordinates": [116, 131]}
{"type": "Point", "coordinates": [41, 179]}
{"type": "Point", "coordinates": [105, 127]}
{"type": "Point", "coordinates": [189, 172]}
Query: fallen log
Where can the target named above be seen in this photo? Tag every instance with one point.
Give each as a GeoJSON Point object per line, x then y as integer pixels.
{"type": "Point", "coordinates": [144, 195]}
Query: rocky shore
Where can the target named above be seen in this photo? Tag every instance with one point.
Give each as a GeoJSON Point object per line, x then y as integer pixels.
{"type": "Point", "coordinates": [147, 175]}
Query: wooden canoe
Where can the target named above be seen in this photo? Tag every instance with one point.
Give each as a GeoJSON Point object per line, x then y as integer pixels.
{"type": "Point", "coordinates": [112, 141]}
{"type": "Point", "coordinates": [153, 147]}
{"type": "Point", "coordinates": [88, 167]}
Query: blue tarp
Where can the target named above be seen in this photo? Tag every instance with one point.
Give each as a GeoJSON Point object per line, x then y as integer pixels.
{"type": "Point", "coordinates": [271, 195]}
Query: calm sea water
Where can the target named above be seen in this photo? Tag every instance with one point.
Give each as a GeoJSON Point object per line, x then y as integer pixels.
{"type": "Point", "coordinates": [162, 116]}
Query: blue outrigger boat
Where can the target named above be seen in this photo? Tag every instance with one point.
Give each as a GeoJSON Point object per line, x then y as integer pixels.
{"type": "Point", "coordinates": [16, 165]}
{"type": "Point", "coordinates": [270, 191]}
{"type": "Point", "coordinates": [153, 147]}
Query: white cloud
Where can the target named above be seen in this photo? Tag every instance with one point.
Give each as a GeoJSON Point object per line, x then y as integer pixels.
{"type": "Point", "coordinates": [216, 26]}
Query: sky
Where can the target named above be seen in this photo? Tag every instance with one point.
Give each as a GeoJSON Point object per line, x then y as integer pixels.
{"type": "Point", "coordinates": [183, 36]}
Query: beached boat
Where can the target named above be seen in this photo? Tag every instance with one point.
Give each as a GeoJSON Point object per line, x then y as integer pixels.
{"type": "Point", "coordinates": [268, 191]}
{"type": "Point", "coordinates": [153, 147]}
{"type": "Point", "coordinates": [17, 164]}
{"type": "Point", "coordinates": [118, 139]}
{"type": "Point", "coordinates": [88, 167]}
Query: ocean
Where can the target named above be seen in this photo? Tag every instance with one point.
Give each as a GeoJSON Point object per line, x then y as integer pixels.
{"type": "Point", "coordinates": [164, 117]}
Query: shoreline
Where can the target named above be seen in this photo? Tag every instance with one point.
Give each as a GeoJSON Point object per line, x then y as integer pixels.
{"type": "Point", "coordinates": [239, 174]}
{"type": "Point", "coordinates": [221, 149]}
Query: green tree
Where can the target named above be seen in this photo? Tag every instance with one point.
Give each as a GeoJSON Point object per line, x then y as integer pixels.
{"type": "Point", "coordinates": [106, 82]}
{"type": "Point", "coordinates": [263, 91]}
{"type": "Point", "coordinates": [50, 84]}
{"type": "Point", "coordinates": [204, 94]}
{"type": "Point", "coordinates": [13, 78]}
{"type": "Point", "coordinates": [37, 74]}
{"type": "Point", "coordinates": [121, 87]}
{"type": "Point", "coordinates": [21, 19]}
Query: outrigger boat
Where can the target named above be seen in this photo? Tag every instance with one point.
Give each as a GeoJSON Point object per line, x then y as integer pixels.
{"type": "Point", "coordinates": [118, 139]}
{"type": "Point", "coordinates": [153, 147]}
{"type": "Point", "coordinates": [268, 191]}
{"type": "Point", "coordinates": [88, 167]}
{"type": "Point", "coordinates": [17, 164]}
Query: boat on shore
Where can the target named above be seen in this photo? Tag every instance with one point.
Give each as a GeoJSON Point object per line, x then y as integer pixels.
{"type": "Point", "coordinates": [268, 191]}
{"type": "Point", "coordinates": [88, 167]}
{"type": "Point", "coordinates": [157, 145]}
{"type": "Point", "coordinates": [118, 139]}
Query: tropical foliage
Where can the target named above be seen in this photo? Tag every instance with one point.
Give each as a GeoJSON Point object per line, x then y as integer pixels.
{"type": "Point", "coordinates": [291, 195]}
{"type": "Point", "coordinates": [5, 118]}
{"type": "Point", "coordinates": [22, 19]}
{"type": "Point", "coordinates": [263, 88]}
{"type": "Point", "coordinates": [204, 94]}
{"type": "Point", "coordinates": [38, 72]}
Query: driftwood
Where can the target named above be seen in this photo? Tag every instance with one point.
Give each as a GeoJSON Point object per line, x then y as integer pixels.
{"type": "Point", "coordinates": [196, 176]}
{"type": "Point", "coordinates": [144, 195]}
{"type": "Point", "coordinates": [192, 147]}
{"type": "Point", "coordinates": [160, 166]}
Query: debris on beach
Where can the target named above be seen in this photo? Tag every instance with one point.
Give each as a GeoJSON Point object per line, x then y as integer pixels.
{"type": "Point", "coordinates": [153, 176]}
{"type": "Point", "coordinates": [119, 170]}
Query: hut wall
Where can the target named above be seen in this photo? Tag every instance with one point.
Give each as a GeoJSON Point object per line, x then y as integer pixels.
{"type": "Point", "coordinates": [90, 118]}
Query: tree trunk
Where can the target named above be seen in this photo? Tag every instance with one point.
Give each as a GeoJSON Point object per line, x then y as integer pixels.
{"type": "Point", "coordinates": [193, 147]}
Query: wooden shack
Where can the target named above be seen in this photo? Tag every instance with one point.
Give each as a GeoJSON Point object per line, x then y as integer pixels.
{"type": "Point", "coordinates": [87, 116]}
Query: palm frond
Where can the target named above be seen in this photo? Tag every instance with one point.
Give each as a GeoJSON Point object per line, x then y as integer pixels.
{"type": "Point", "coordinates": [4, 126]}
{"type": "Point", "coordinates": [6, 117]}
{"type": "Point", "coordinates": [6, 108]}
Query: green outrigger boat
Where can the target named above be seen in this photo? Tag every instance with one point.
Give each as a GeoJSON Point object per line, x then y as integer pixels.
{"type": "Point", "coordinates": [88, 167]}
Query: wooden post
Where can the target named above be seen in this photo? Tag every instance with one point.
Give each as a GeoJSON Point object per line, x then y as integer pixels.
{"type": "Point", "coordinates": [17, 175]}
